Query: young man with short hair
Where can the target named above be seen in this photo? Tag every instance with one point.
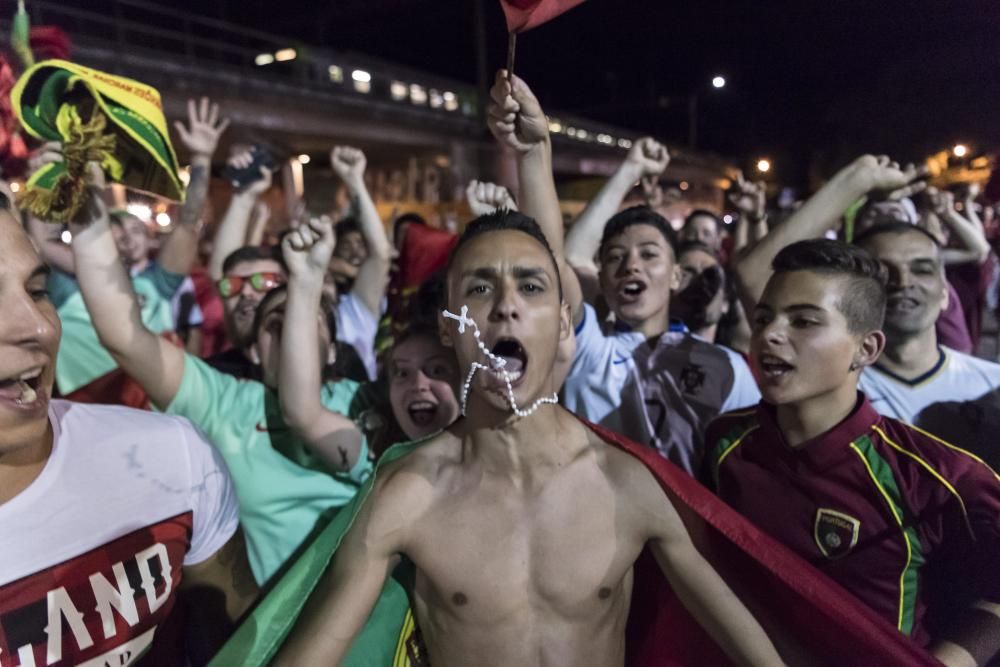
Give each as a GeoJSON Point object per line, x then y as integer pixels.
{"type": "Point", "coordinates": [107, 512]}
{"type": "Point", "coordinates": [915, 372]}
{"type": "Point", "coordinates": [657, 385]}
{"type": "Point", "coordinates": [886, 510]}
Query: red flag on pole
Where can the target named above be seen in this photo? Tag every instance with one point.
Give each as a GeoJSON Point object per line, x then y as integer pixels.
{"type": "Point", "coordinates": [526, 14]}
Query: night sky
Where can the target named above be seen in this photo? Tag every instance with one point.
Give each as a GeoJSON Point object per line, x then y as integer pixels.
{"type": "Point", "coordinates": [811, 84]}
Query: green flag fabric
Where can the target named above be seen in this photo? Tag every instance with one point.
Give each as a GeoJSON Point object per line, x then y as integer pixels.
{"type": "Point", "coordinates": [98, 117]}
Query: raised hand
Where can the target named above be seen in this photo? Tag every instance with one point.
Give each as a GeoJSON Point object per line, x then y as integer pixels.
{"type": "Point", "coordinates": [515, 117]}
{"type": "Point", "coordinates": [647, 157]}
{"type": "Point", "coordinates": [885, 179]}
{"type": "Point", "coordinates": [307, 250]}
{"type": "Point", "coordinates": [748, 197]}
{"type": "Point", "coordinates": [484, 198]}
{"type": "Point", "coordinates": [242, 160]}
{"type": "Point", "coordinates": [201, 136]}
{"type": "Point", "coordinates": [349, 164]}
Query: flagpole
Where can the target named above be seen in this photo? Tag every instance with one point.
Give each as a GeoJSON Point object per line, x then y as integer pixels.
{"type": "Point", "coordinates": [511, 47]}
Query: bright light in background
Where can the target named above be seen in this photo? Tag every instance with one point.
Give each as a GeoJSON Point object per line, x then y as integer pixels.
{"type": "Point", "coordinates": [140, 211]}
{"type": "Point", "coordinates": [555, 125]}
{"type": "Point", "coordinates": [284, 54]}
{"type": "Point", "coordinates": [571, 131]}
{"type": "Point", "coordinates": [582, 134]}
{"type": "Point", "coordinates": [763, 166]}
{"type": "Point", "coordinates": [163, 220]}
{"type": "Point", "coordinates": [605, 139]}
{"type": "Point", "coordinates": [450, 101]}
{"type": "Point", "coordinates": [185, 175]}
{"type": "Point", "coordinates": [304, 159]}
{"type": "Point", "coordinates": [437, 101]}
{"type": "Point", "coordinates": [417, 94]}
{"type": "Point", "coordinates": [361, 75]}
{"type": "Point", "coordinates": [728, 219]}
{"type": "Point", "coordinates": [66, 236]}
{"type": "Point", "coordinates": [684, 185]}
{"type": "Point", "coordinates": [263, 59]}
{"type": "Point", "coordinates": [336, 73]}
{"type": "Point", "coordinates": [719, 82]}
{"type": "Point", "coordinates": [960, 150]}
{"type": "Point", "coordinates": [15, 186]}
{"type": "Point", "coordinates": [625, 143]}
{"type": "Point", "coordinates": [398, 90]}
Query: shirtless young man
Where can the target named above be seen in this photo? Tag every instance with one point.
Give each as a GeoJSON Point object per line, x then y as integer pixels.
{"type": "Point", "coordinates": [523, 529]}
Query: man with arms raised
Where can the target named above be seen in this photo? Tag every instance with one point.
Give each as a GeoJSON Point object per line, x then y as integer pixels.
{"type": "Point", "coordinates": [106, 511]}
{"type": "Point", "coordinates": [554, 514]}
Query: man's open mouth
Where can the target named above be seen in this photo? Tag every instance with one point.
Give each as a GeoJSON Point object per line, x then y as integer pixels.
{"type": "Point", "coordinates": [631, 289]}
{"type": "Point", "coordinates": [422, 412]}
{"type": "Point", "coordinates": [902, 304]}
{"type": "Point", "coordinates": [511, 351]}
{"type": "Point", "coordinates": [773, 367]}
{"type": "Point", "coordinates": [23, 387]}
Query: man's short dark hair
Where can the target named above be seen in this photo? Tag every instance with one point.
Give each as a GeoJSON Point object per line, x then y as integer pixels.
{"type": "Point", "coordinates": [703, 213]}
{"type": "Point", "coordinates": [502, 220]}
{"type": "Point", "coordinates": [346, 226]}
{"type": "Point", "coordinates": [863, 297]}
{"type": "Point", "coordinates": [894, 227]}
{"type": "Point", "coordinates": [253, 253]}
{"type": "Point", "coordinates": [638, 215]}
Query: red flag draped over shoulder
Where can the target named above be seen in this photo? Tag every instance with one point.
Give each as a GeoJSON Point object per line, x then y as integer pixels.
{"type": "Point", "coordinates": [527, 14]}
{"type": "Point", "coordinates": [811, 619]}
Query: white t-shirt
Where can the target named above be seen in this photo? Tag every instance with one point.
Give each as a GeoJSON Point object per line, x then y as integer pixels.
{"type": "Point", "coordinates": [357, 326]}
{"type": "Point", "coordinates": [92, 550]}
{"type": "Point", "coordinates": [957, 377]}
{"type": "Point", "coordinates": [662, 396]}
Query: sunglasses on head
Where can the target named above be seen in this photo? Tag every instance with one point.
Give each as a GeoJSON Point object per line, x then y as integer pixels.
{"type": "Point", "coordinates": [261, 282]}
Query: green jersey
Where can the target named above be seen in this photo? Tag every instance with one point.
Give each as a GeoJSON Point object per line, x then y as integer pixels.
{"type": "Point", "coordinates": [285, 492]}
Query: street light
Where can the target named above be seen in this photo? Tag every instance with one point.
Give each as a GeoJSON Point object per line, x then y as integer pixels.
{"type": "Point", "coordinates": [718, 82]}
{"type": "Point", "coordinates": [763, 165]}
{"type": "Point", "coordinates": [960, 150]}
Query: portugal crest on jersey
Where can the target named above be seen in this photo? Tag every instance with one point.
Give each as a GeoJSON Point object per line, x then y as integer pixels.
{"type": "Point", "coordinates": [835, 533]}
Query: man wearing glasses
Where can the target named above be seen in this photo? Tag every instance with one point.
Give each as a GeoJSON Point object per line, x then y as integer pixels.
{"type": "Point", "coordinates": [247, 275]}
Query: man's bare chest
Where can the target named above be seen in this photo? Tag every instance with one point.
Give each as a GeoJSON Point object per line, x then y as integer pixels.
{"type": "Point", "coordinates": [486, 554]}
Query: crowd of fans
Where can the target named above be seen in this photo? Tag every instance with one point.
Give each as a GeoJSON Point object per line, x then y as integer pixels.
{"type": "Point", "coordinates": [815, 372]}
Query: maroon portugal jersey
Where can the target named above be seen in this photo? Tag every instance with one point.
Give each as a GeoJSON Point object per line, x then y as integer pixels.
{"type": "Point", "coordinates": [905, 521]}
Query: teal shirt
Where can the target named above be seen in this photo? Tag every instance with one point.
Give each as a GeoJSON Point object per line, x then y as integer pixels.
{"type": "Point", "coordinates": [81, 358]}
{"type": "Point", "coordinates": [284, 492]}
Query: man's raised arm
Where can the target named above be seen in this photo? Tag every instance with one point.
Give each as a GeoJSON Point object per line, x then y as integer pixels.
{"type": "Point", "coordinates": [201, 136]}
{"type": "Point", "coordinates": [517, 121]}
{"type": "Point", "coordinates": [334, 437]}
{"type": "Point", "coordinates": [232, 231]}
{"type": "Point", "coordinates": [647, 157]}
{"type": "Point", "coordinates": [373, 274]}
{"type": "Point", "coordinates": [107, 291]}
{"type": "Point", "coordinates": [816, 216]}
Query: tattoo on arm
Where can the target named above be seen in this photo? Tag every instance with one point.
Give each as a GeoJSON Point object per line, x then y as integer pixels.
{"type": "Point", "coordinates": [195, 195]}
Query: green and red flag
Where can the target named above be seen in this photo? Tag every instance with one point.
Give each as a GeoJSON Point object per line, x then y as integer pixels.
{"type": "Point", "coordinates": [811, 619]}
